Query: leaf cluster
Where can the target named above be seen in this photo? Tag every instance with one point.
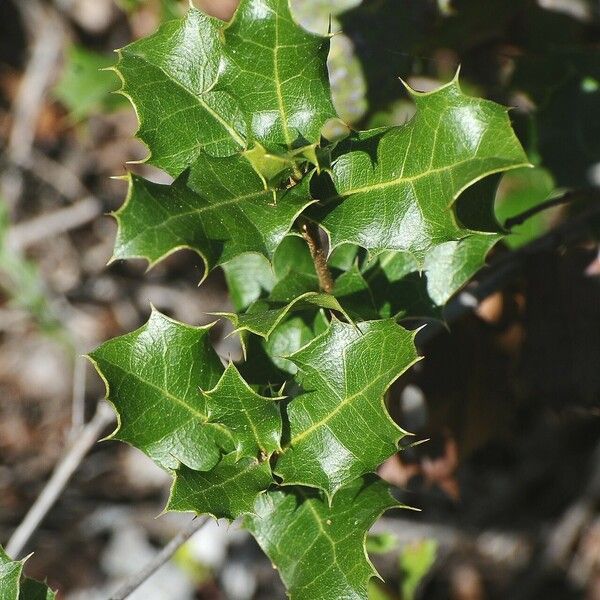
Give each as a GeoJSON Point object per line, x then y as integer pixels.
{"type": "Point", "coordinates": [289, 438]}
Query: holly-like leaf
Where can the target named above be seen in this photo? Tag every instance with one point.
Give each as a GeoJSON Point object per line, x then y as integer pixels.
{"type": "Point", "coordinates": [450, 265]}
{"type": "Point", "coordinates": [395, 187]}
{"type": "Point", "coordinates": [169, 78]}
{"type": "Point", "coordinates": [10, 576]}
{"type": "Point", "coordinates": [262, 319]}
{"type": "Point", "coordinates": [35, 590]}
{"type": "Point", "coordinates": [319, 549]}
{"type": "Point", "coordinates": [195, 86]}
{"type": "Point", "coordinates": [254, 420]}
{"type": "Point", "coordinates": [14, 587]}
{"type": "Point", "coordinates": [339, 427]}
{"type": "Point", "coordinates": [153, 377]}
{"type": "Point", "coordinates": [219, 209]}
{"type": "Point", "coordinates": [227, 491]}
{"type": "Point", "coordinates": [282, 83]}
{"type": "Point", "coordinates": [398, 288]}
{"type": "Point", "coordinates": [285, 339]}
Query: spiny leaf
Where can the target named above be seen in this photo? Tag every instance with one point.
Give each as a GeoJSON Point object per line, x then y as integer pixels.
{"type": "Point", "coordinates": [35, 590]}
{"type": "Point", "coordinates": [274, 169]}
{"type": "Point", "coordinates": [319, 550]}
{"type": "Point", "coordinates": [399, 289]}
{"type": "Point", "coordinates": [169, 78]}
{"type": "Point", "coordinates": [285, 339]}
{"type": "Point", "coordinates": [282, 83]}
{"type": "Point", "coordinates": [227, 491]}
{"type": "Point", "coordinates": [394, 187]}
{"type": "Point", "coordinates": [262, 319]}
{"type": "Point", "coordinates": [339, 426]}
{"type": "Point", "coordinates": [10, 576]}
{"type": "Point", "coordinates": [195, 86]}
{"type": "Point", "coordinates": [219, 208]}
{"type": "Point", "coordinates": [450, 265]}
{"type": "Point", "coordinates": [254, 420]}
{"type": "Point", "coordinates": [152, 377]}
{"type": "Point", "coordinates": [14, 587]}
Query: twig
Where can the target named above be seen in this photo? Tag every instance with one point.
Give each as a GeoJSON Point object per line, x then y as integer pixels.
{"type": "Point", "coordinates": [159, 560]}
{"type": "Point", "coordinates": [534, 210]}
{"type": "Point", "coordinates": [310, 232]}
{"type": "Point", "coordinates": [48, 34]}
{"type": "Point", "coordinates": [55, 174]}
{"type": "Point", "coordinates": [60, 477]}
{"type": "Point", "coordinates": [48, 225]}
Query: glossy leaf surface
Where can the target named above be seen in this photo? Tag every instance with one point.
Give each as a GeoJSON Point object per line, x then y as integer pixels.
{"type": "Point", "coordinates": [227, 491]}
{"type": "Point", "coordinates": [13, 586]}
{"type": "Point", "coordinates": [254, 420]}
{"type": "Point", "coordinates": [281, 84]}
{"type": "Point", "coordinates": [219, 209]}
{"type": "Point", "coordinates": [395, 187]}
{"type": "Point", "coordinates": [319, 550]}
{"type": "Point", "coordinates": [339, 426]}
{"type": "Point", "coordinates": [153, 378]}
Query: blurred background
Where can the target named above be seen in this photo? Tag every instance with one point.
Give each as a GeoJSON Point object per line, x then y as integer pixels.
{"type": "Point", "coordinates": [508, 396]}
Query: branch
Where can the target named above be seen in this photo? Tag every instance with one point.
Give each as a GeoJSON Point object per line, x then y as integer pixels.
{"type": "Point", "coordinates": [60, 477]}
{"type": "Point", "coordinates": [34, 230]}
{"type": "Point", "coordinates": [47, 32]}
{"type": "Point", "coordinates": [159, 560]}
{"type": "Point", "coordinates": [551, 203]}
{"type": "Point", "coordinates": [310, 232]}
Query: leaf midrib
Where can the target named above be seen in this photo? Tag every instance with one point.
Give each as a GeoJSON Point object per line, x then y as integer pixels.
{"type": "Point", "coordinates": [402, 179]}
{"type": "Point", "coordinates": [181, 402]}
{"type": "Point", "coordinates": [343, 403]}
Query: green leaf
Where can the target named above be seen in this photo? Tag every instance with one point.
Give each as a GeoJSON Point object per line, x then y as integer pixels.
{"type": "Point", "coordinates": [394, 285]}
{"type": "Point", "coordinates": [278, 73]}
{"type": "Point", "coordinates": [35, 590]}
{"type": "Point", "coordinates": [395, 187]}
{"type": "Point", "coordinates": [381, 543]}
{"type": "Point", "coordinates": [195, 86]}
{"type": "Point", "coordinates": [319, 549]}
{"type": "Point", "coordinates": [451, 264]}
{"type": "Point", "coordinates": [219, 209]}
{"type": "Point", "coordinates": [169, 78]}
{"type": "Point", "coordinates": [340, 427]}
{"type": "Point", "coordinates": [85, 86]}
{"type": "Point", "coordinates": [261, 319]}
{"type": "Point", "coordinates": [285, 339]}
{"type": "Point", "coordinates": [227, 491]}
{"type": "Point", "coordinates": [254, 420]}
{"type": "Point", "coordinates": [10, 576]}
{"type": "Point", "coordinates": [12, 587]}
{"type": "Point", "coordinates": [248, 277]}
{"type": "Point", "coordinates": [153, 376]}
{"type": "Point", "coordinates": [519, 191]}
{"type": "Point", "coordinates": [415, 562]}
